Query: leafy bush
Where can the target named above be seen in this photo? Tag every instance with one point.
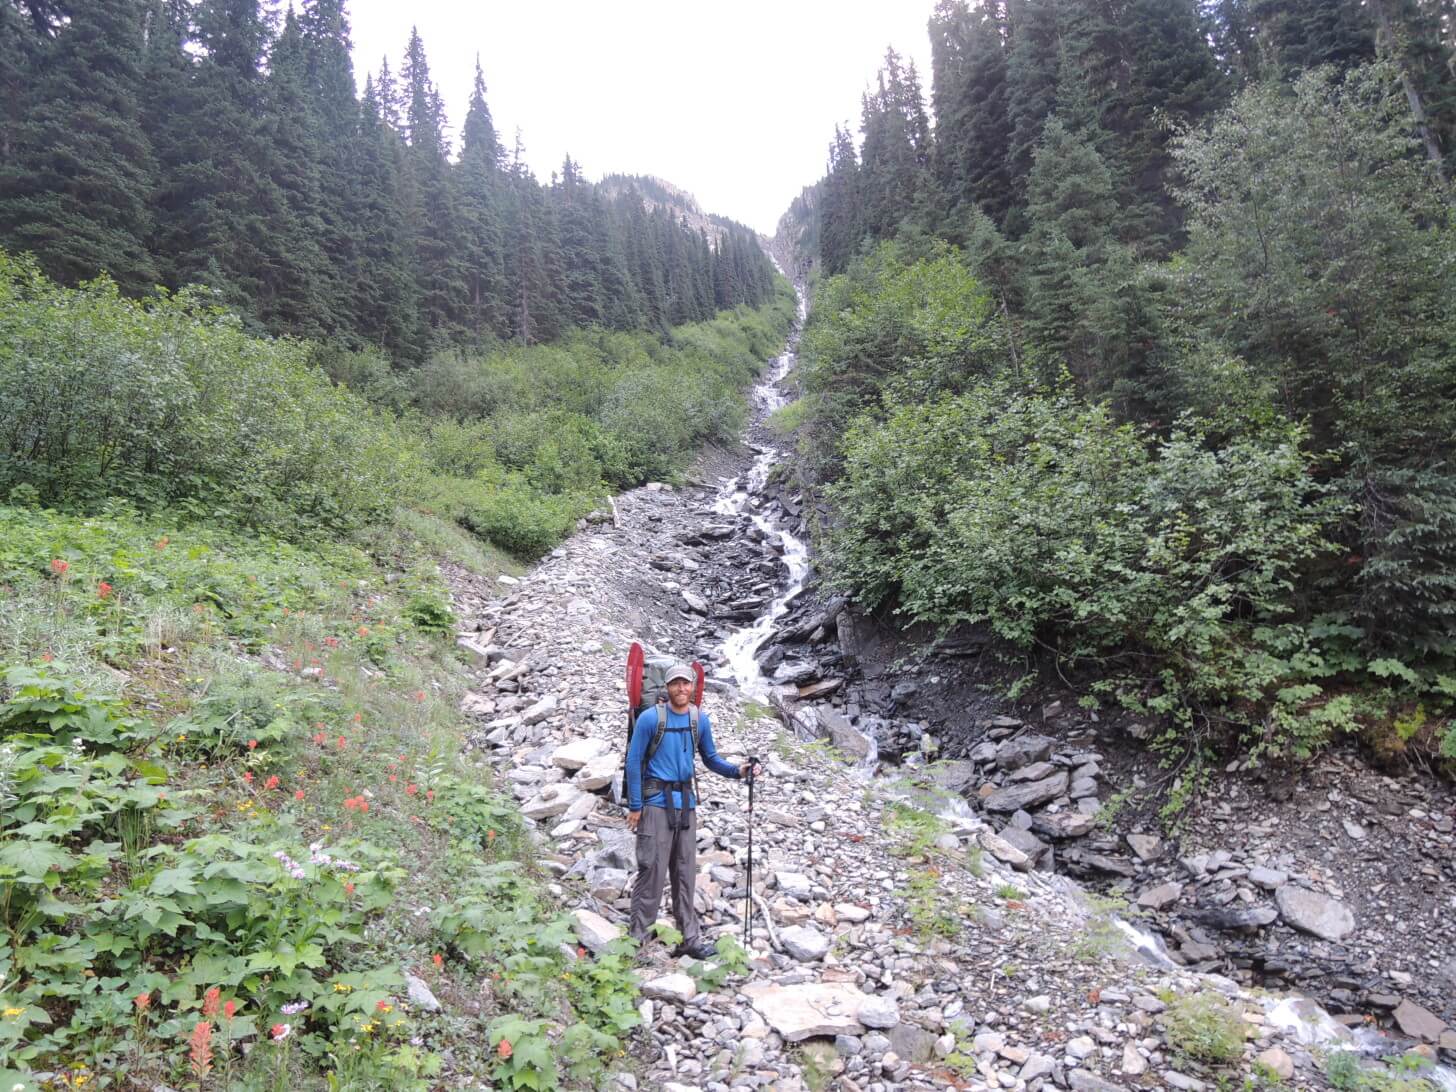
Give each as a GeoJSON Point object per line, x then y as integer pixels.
{"type": "Point", "coordinates": [169, 403]}
{"type": "Point", "coordinates": [1044, 518]}
{"type": "Point", "coordinates": [1205, 1027]}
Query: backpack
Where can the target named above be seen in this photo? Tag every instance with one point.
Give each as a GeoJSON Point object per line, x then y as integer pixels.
{"type": "Point", "coordinates": [647, 684]}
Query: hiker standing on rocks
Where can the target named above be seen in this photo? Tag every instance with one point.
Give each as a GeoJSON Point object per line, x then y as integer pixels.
{"type": "Point", "coordinates": [661, 774]}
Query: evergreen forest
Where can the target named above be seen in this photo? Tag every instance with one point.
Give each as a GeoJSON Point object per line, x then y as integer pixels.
{"type": "Point", "coordinates": [172, 143]}
{"type": "Point", "coordinates": [1134, 341]}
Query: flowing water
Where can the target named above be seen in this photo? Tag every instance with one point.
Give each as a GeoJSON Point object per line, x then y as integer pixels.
{"type": "Point", "coordinates": [743, 495]}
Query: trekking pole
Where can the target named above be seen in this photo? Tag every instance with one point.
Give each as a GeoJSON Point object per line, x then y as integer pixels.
{"type": "Point", "coordinates": [748, 897]}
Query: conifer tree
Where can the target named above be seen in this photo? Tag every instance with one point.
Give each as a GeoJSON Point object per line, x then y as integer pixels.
{"type": "Point", "coordinates": [434, 219]}
{"type": "Point", "coordinates": [972, 125]}
{"type": "Point", "coordinates": [296, 286]}
{"type": "Point", "coordinates": [479, 184]}
{"type": "Point", "coordinates": [380, 281]}
{"type": "Point", "coordinates": [1032, 66]}
{"type": "Point", "coordinates": [840, 211]}
{"type": "Point", "coordinates": [74, 187]}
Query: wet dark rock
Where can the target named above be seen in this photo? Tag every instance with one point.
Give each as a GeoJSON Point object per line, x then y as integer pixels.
{"type": "Point", "coordinates": [1023, 751]}
{"type": "Point", "coordinates": [1027, 795]}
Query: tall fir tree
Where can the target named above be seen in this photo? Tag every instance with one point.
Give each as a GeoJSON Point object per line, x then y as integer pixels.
{"type": "Point", "coordinates": [1033, 64]}
{"type": "Point", "coordinates": [972, 123]}
{"type": "Point", "coordinates": [76, 183]}
{"type": "Point", "coordinates": [479, 184]}
{"type": "Point", "coordinates": [433, 216]}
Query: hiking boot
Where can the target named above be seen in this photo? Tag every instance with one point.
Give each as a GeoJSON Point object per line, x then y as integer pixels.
{"type": "Point", "coordinates": [698, 949]}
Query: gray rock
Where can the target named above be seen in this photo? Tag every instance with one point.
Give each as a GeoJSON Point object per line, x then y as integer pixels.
{"type": "Point", "coordinates": [1035, 772]}
{"type": "Point", "coordinates": [1082, 788]}
{"type": "Point", "coordinates": [1157, 898]}
{"type": "Point", "coordinates": [806, 1009]}
{"type": "Point", "coordinates": [1004, 851]}
{"type": "Point", "coordinates": [804, 943]}
{"type": "Point", "coordinates": [1228, 920]}
{"type": "Point", "coordinates": [1418, 1023]}
{"type": "Point", "coordinates": [1314, 913]}
{"type": "Point", "coordinates": [1025, 841]}
{"type": "Point", "coordinates": [676, 987]}
{"type": "Point", "coordinates": [1079, 1080]}
{"type": "Point", "coordinates": [1029, 795]}
{"type": "Point", "coordinates": [1183, 1082]}
{"type": "Point", "coordinates": [694, 603]}
{"type": "Point", "coordinates": [1081, 1046]}
{"type": "Point", "coordinates": [844, 735]}
{"type": "Point", "coordinates": [1148, 847]}
{"type": "Point", "coordinates": [795, 884]}
{"type": "Point", "coordinates": [420, 994]}
{"type": "Point", "coordinates": [1023, 751]}
{"type": "Point", "coordinates": [1267, 878]}
{"type": "Point", "coordinates": [912, 1043]}
{"type": "Point", "coordinates": [879, 1012]}
{"type": "Point", "coordinates": [595, 932]}
{"type": "Point", "coordinates": [540, 711]}
{"type": "Point", "coordinates": [953, 776]}
{"type": "Point", "coordinates": [1036, 1067]}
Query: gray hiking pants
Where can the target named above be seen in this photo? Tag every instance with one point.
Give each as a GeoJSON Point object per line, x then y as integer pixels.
{"type": "Point", "coordinates": [664, 854]}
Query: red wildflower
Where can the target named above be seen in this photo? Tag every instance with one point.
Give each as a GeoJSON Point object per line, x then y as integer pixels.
{"type": "Point", "coordinates": [349, 887]}
{"type": "Point", "coordinates": [411, 789]}
{"type": "Point", "coordinates": [350, 803]}
{"type": "Point", "coordinates": [252, 744]}
{"type": "Point", "coordinates": [504, 1050]}
{"type": "Point", "coordinates": [437, 959]}
{"type": "Point", "coordinates": [142, 1001]}
{"type": "Point", "coordinates": [59, 567]}
{"type": "Point", "coordinates": [419, 695]}
{"type": "Point", "coordinates": [161, 543]}
{"type": "Point", "coordinates": [340, 742]}
{"type": "Point", "coordinates": [382, 1006]}
{"type": "Point", "coordinates": [200, 1049]}
{"type": "Point", "coordinates": [331, 642]}
{"type": "Point", "coordinates": [248, 777]}
{"type": "Point", "coordinates": [318, 737]}
{"type": "Point", "coordinates": [358, 717]}
{"type": "Point", "coordinates": [394, 777]}
{"type": "Point", "coordinates": [298, 794]}
{"type": "Point", "coordinates": [364, 806]}
{"type": "Point", "coordinates": [490, 836]}
{"type": "Point", "coordinates": [363, 631]}
{"type": "Point", "coordinates": [430, 795]}
{"type": "Point", "coordinates": [103, 590]}
{"type": "Point", "coordinates": [271, 783]}
{"type": "Point", "coordinates": [280, 1031]}
{"type": "Point", "coordinates": [210, 1001]}
{"type": "Point", "coordinates": [229, 1008]}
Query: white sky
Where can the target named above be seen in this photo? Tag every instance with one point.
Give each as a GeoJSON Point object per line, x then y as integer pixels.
{"type": "Point", "coordinates": [735, 103]}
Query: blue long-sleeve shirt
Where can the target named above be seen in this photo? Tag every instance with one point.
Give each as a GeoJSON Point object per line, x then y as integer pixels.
{"type": "Point", "coordinates": [674, 758]}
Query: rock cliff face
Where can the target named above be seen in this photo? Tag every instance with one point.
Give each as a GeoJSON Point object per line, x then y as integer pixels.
{"type": "Point", "coordinates": [910, 929]}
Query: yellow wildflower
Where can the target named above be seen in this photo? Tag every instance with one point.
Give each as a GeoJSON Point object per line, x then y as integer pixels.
{"type": "Point", "coordinates": [13, 1012]}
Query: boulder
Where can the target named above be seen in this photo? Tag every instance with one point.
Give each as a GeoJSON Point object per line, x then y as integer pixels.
{"type": "Point", "coordinates": [1277, 1062]}
{"type": "Point", "coordinates": [540, 711]}
{"type": "Point", "coordinates": [1027, 795]}
{"type": "Point", "coordinates": [552, 801]}
{"type": "Point", "coordinates": [845, 736]}
{"type": "Point", "coordinates": [955, 776]}
{"type": "Point", "coordinates": [577, 753]}
{"type": "Point", "coordinates": [804, 943]}
{"type": "Point", "coordinates": [807, 1009]}
{"type": "Point", "coordinates": [794, 883]}
{"type": "Point", "coordinates": [595, 932]}
{"type": "Point", "coordinates": [1311, 912]}
{"type": "Point", "coordinates": [1063, 825]}
{"type": "Point", "coordinates": [1004, 851]}
{"type": "Point", "coordinates": [420, 994]}
{"type": "Point", "coordinates": [1418, 1023]}
{"type": "Point", "coordinates": [1148, 847]}
{"type": "Point", "coordinates": [598, 772]}
{"type": "Point", "coordinates": [1023, 751]}
{"type": "Point", "coordinates": [677, 988]}
{"type": "Point", "coordinates": [1156, 898]}
{"type": "Point", "coordinates": [879, 1012]}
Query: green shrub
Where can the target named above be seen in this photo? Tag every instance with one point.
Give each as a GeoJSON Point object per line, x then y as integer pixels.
{"type": "Point", "coordinates": [169, 403]}
{"type": "Point", "coordinates": [522, 520]}
{"type": "Point", "coordinates": [1205, 1027]}
{"type": "Point", "coordinates": [1041, 516]}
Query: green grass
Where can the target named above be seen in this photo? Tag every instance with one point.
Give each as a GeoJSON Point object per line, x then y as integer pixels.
{"type": "Point", "coordinates": [181, 705]}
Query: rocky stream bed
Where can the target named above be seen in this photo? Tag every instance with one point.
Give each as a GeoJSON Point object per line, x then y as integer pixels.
{"type": "Point", "coordinates": [919, 926]}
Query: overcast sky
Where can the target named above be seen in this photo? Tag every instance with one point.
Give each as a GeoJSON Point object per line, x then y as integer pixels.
{"type": "Point", "coordinates": [735, 103]}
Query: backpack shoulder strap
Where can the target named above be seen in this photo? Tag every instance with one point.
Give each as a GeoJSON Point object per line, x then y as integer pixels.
{"type": "Point", "coordinates": [659, 733]}
{"type": "Point", "coordinates": [693, 724]}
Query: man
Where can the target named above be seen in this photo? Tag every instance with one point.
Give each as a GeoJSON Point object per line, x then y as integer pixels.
{"type": "Point", "coordinates": [666, 820]}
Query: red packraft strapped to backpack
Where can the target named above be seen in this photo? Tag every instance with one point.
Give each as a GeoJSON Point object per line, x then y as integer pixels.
{"type": "Point", "coordinates": [653, 674]}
